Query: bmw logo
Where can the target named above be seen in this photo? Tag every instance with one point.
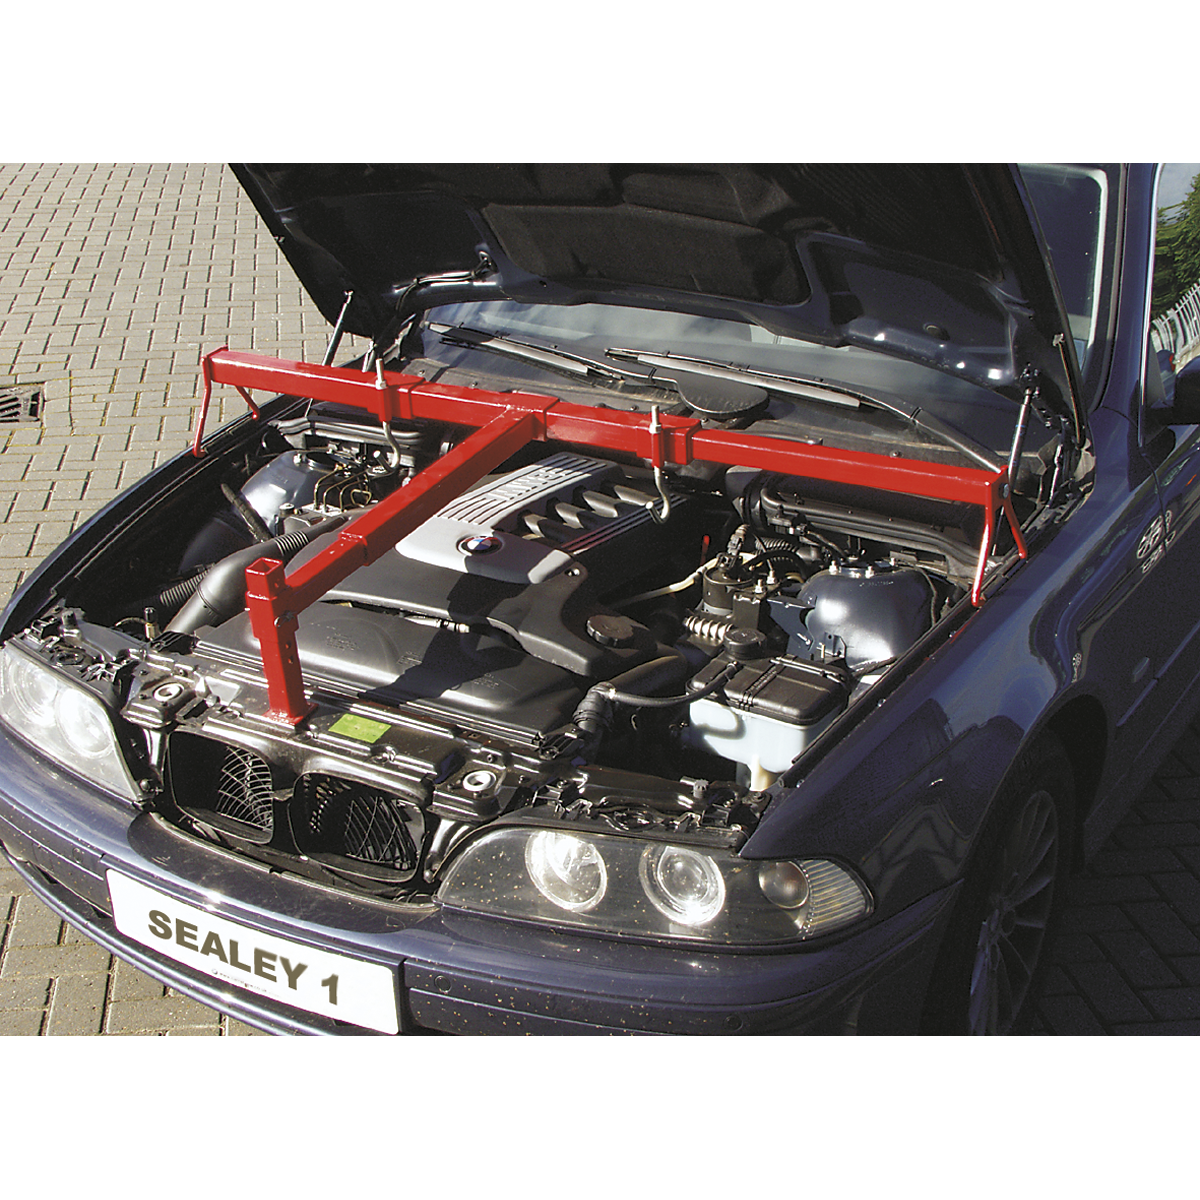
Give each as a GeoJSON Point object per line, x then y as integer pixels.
{"type": "Point", "coordinates": [480, 543]}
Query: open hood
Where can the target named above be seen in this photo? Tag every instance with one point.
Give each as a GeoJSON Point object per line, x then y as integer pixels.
{"type": "Point", "coordinates": [939, 264]}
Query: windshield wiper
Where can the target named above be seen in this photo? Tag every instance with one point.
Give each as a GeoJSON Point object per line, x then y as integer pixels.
{"type": "Point", "coordinates": [807, 389]}
{"type": "Point", "coordinates": [554, 359]}
{"type": "Point", "coordinates": [736, 389]}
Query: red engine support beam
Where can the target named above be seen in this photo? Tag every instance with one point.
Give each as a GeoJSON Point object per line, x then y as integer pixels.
{"type": "Point", "coordinates": [504, 423]}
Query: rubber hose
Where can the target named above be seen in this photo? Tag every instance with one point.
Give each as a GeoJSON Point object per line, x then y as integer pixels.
{"type": "Point", "coordinates": [221, 593]}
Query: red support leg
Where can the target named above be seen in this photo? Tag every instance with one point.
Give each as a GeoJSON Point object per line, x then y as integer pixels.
{"type": "Point", "coordinates": [275, 628]}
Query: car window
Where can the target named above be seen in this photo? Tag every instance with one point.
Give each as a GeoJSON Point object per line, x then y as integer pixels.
{"type": "Point", "coordinates": [1174, 336]}
{"type": "Point", "coordinates": [1072, 202]}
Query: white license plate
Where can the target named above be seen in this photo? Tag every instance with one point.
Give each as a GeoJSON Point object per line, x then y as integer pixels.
{"type": "Point", "coordinates": [332, 985]}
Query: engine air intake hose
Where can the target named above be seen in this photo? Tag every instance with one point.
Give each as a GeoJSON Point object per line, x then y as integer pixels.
{"type": "Point", "coordinates": [222, 590]}
{"type": "Point", "coordinates": [592, 716]}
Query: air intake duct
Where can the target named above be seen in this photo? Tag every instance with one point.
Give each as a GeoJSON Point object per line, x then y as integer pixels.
{"type": "Point", "coordinates": [222, 591]}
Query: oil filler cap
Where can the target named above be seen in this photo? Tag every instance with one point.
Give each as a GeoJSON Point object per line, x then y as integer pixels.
{"type": "Point", "coordinates": [611, 629]}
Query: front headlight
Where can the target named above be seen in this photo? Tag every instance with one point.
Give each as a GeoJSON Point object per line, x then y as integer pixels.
{"type": "Point", "coordinates": [64, 722]}
{"type": "Point", "coordinates": [626, 885]}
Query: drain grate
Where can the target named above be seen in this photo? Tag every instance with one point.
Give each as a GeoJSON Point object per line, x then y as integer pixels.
{"type": "Point", "coordinates": [21, 405]}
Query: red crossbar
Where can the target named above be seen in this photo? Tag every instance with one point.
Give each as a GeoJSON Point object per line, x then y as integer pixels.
{"type": "Point", "coordinates": [504, 423]}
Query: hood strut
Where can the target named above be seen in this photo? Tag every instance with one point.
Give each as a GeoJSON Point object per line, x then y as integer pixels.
{"type": "Point", "coordinates": [335, 339]}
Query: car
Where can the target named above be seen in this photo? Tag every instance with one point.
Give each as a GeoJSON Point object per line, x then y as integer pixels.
{"type": "Point", "coordinates": [723, 599]}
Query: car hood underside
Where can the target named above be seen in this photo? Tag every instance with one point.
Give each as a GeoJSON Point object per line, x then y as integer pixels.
{"type": "Point", "coordinates": [938, 264]}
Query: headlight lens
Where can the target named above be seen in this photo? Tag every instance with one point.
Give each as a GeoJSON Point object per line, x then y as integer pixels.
{"type": "Point", "coordinates": [64, 722]}
{"type": "Point", "coordinates": [627, 885]}
{"type": "Point", "coordinates": [33, 691]}
{"type": "Point", "coordinates": [84, 724]}
{"type": "Point", "coordinates": [566, 869]}
{"type": "Point", "coordinates": [684, 885]}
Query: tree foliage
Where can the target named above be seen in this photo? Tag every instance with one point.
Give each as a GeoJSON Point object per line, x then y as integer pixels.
{"type": "Point", "coordinates": [1177, 251]}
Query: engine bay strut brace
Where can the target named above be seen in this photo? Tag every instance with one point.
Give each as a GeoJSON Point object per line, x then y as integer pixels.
{"type": "Point", "coordinates": [505, 422]}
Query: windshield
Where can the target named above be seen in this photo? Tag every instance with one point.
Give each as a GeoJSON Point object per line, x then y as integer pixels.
{"type": "Point", "coordinates": [1071, 203]}
{"type": "Point", "coordinates": [591, 330]}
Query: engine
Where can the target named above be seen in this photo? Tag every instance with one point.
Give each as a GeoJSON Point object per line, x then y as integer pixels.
{"type": "Point", "coordinates": [550, 602]}
{"type": "Point", "coordinates": [550, 637]}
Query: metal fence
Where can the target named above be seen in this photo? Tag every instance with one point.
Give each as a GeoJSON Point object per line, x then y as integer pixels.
{"type": "Point", "coordinates": [1178, 329]}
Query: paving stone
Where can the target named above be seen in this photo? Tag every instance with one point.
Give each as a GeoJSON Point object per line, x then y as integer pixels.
{"type": "Point", "coordinates": [1184, 803]}
{"type": "Point", "coordinates": [1189, 856]}
{"type": "Point", "coordinates": [1057, 982]}
{"type": "Point", "coordinates": [24, 993]}
{"type": "Point", "coordinates": [23, 961]}
{"type": "Point", "coordinates": [1107, 993]}
{"type": "Point", "coordinates": [128, 983]}
{"type": "Point", "coordinates": [1110, 889]}
{"type": "Point", "coordinates": [1139, 960]}
{"type": "Point", "coordinates": [11, 884]}
{"type": "Point", "coordinates": [1187, 968]}
{"type": "Point", "coordinates": [240, 1029]}
{"type": "Point", "coordinates": [34, 924]}
{"type": "Point", "coordinates": [164, 1012]}
{"type": "Point", "coordinates": [1182, 891]}
{"type": "Point", "coordinates": [1162, 926]}
{"type": "Point", "coordinates": [1112, 861]}
{"type": "Point", "coordinates": [21, 1023]}
{"type": "Point", "coordinates": [78, 1005]}
{"type": "Point", "coordinates": [1185, 752]}
{"type": "Point", "coordinates": [1091, 918]}
{"type": "Point", "coordinates": [1159, 1028]}
{"type": "Point", "coordinates": [1171, 834]}
{"type": "Point", "coordinates": [1076, 947]}
{"type": "Point", "coordinates": [1174, 1003]}
{"type": "Point", "coordinates": [1069, 1015]}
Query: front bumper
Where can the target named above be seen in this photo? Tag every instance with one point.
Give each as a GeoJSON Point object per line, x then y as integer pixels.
{"type": "Point", "coordinates": [454, 973]}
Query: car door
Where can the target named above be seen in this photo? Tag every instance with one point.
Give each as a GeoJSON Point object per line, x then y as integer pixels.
{"type": "Point", "coordinates": [1173, 604]}
{"type": "Point", "coordinates": [1115, 644]}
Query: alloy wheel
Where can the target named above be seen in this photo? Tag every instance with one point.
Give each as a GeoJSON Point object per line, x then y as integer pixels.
{"type": "Point", "coordinates": [1012, 934]}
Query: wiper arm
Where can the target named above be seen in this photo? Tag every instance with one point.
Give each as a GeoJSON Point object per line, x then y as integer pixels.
{"type": "Point", "coordinates": [810, 389]}
{"type": "Point", "coordinates": [562, 361]}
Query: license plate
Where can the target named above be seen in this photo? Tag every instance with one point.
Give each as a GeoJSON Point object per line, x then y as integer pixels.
{"type": "Point", "coordinates": [317, 981]}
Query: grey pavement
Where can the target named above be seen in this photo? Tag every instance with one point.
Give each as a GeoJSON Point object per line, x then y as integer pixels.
{"type": "Point", "coordinates": [113, 281]}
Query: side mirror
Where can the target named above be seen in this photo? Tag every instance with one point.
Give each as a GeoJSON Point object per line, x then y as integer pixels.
{"type": "Point", "coordinates": [1185, 406]}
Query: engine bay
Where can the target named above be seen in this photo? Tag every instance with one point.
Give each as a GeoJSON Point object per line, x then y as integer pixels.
{"type": "Point", "coordinates": [577, 637]}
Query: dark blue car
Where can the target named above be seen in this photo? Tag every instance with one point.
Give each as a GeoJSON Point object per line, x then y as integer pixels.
{"type": "Point", "coordinates": [724, 599]}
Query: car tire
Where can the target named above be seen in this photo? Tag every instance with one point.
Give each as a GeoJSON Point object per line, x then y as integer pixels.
{"type": "Point", "coordinates": [989, 970]}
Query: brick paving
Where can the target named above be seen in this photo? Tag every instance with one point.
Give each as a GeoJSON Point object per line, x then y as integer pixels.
{"type": "Point", "coordinates": [113, 281]}
{"type": "Point", "coordinates": [1128, 957]}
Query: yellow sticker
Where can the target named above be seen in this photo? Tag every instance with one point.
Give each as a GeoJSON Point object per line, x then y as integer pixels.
{"type": "Point", "coordinates": [361, 729]}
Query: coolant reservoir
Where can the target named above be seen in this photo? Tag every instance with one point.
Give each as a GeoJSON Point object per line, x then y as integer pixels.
{"type": "Point", "coordinates": [869, 614]}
